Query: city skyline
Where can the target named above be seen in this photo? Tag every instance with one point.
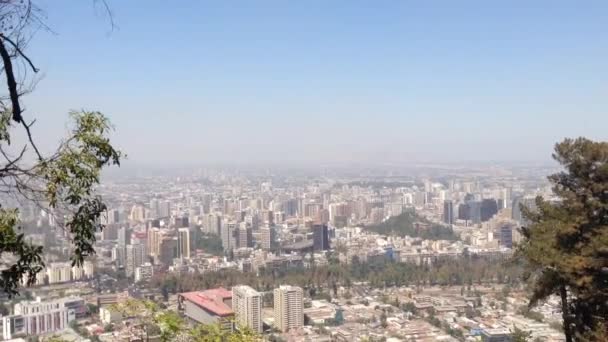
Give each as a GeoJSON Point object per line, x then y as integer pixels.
{"type": "Point", "coordinates": [288, 83]}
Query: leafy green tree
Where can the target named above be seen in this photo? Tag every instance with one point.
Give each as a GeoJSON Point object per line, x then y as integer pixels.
{"type": "Point", "coordinates": [169, 326]}
{"type": "Point", "coordinates": [61, 182]}
{"type": "Point", "coordinates": [407, 224]}
{"type": "Point", "coordinates": [566, 243]}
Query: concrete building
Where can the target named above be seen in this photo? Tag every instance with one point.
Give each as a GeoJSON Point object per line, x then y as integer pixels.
{"type": "Point", "coordinates": [288, 308]}
{"type": "Point", "coordinates": [268, 236]}
{"type": "Point", "coordinates": [448, 212]}
{"type": "Point", "coordinates": [208, 307]}
{"type": "Point", "coordinates": [135, 257]}
{"type": "Point", "coordinates": [247, 307]}
{"type": "Point", "coordinates": [320, 234]}
{"type": "Point", "coordinates": [183, 243]}
{"type": "Point", "coordinates": [168, 250]}
{"type": "Point", "coordinates": [38, 317]}
{"type": "Point", "coordinates": [144, 272]}
{"type": "Point", "coordinates": [59, 272]}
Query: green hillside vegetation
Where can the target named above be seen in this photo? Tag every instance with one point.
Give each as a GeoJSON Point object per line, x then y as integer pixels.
{"type": "Point", "coordinates": [408, 223]}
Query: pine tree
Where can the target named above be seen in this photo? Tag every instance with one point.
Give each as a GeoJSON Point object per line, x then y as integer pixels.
{"type": "Point", "coordinates": [566, 243]}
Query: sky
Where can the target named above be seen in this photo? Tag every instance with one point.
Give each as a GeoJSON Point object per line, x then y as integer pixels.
{"type": "Point", "coordinates": [188, 82]}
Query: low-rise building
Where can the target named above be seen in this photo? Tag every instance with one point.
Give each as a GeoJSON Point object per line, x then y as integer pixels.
{"type": "Point", "coordinates": [208, 307]}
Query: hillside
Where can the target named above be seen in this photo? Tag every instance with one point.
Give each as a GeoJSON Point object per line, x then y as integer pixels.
{"type": "Point", "coordinates": [408, 223]}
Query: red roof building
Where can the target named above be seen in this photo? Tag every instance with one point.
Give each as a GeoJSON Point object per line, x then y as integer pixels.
{"type": "Point", "coordinates": [208, 307]}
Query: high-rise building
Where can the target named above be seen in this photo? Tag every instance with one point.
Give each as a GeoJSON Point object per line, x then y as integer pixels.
{"type": "Point", "coordinates": [505, 195]}
{"type": "Point", "coordinates": [154, 238]}
{"type": "Point", "coordinates": [168, 250]}
{"type": "Point", "coordinates": [212, 224]}
{"type": "Point", "coordinates": [320, 235]}
{"type": "Point", "coordinates": [506, 235]}
{"type": "Point", "coordinates": [164, 209]}
{"type": "Point", "coordinates": [183, 243]}
{"type": "Point", "coordinates": [448, 212]}
{"type": "Point", "coordinates": [245, 236]}
{"type": "Point", "coordinates": [138, 213]}
{"type": "Point", "coordinates": [154, 208]}
{"type": "Point", "coordinates": [228, 235]}
{"type": "Point", "coordinates": [135, 256]}
{"type": "Point", "coordinates": [268, 236]}
{"type": "Point", "coordinates": [288, 308]}
{"type": "Point", "coordinates": [124, 236]}
{"type": "Point", "coordinates": [113, 216]}
{"type": "Point", "coordinates": [488, 209]}
{"type": "Point", "coordinates": [247, 307]}
{"type": "Point", "coordinates": [59, 272]}
{"type": "Point", "coordinates": [110, 232]}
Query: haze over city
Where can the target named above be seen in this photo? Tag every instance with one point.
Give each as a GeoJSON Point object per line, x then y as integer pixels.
{"type": "Point", "coordinates": [303, 171]}
{"type": "Point", "coordinates": [340, 81]}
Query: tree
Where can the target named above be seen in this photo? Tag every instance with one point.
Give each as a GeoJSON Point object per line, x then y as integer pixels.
{"type": "Point", "coordinates": [61, 183]}
{"type": "Point", "coordinates": [521, 335]}
{"type": "Point", "coordinates": [565, 245]}
{"type": "Point", "coordinates": [169, 326]}
{"type": "Point", "coordinates": [383, 319]}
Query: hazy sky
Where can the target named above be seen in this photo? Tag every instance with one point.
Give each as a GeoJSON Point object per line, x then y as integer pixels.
{"type": "Point", "coordinates": [366, 81]}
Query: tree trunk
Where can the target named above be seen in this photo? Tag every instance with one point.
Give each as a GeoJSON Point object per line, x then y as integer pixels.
{"type": "Point", "coordinates": [565, 313]}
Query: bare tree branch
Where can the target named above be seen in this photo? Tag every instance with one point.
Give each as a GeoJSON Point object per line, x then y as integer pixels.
{"type": "Point", "coordinates": [29, 136]}
{"type": "Point", "coordinates": [20, 52]}
{"type": "Point", "coordinates": [10, 80]}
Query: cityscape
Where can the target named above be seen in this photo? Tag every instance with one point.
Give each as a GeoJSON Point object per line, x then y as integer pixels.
{"type": "Point", "coordinates": [164, 235]}
{"type": "Point", "coordinates": [303, 171]}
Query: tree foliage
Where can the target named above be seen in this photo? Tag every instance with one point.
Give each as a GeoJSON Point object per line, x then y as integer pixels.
{"type": "Point", "coordinates": [61, 183]}
{"type": "Point", "coordinates": [566, 244]}
{"type": "Point", "coordinates": [169, 326]}
{"type": "Point", "coordinates": [407, 224]}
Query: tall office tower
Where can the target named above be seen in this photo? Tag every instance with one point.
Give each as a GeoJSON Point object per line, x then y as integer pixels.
{"type": "Point", "coordinates": [154, 238]}
{"type": "Point", "coordinates": [124, 236]}
{"type": "Point", "coordinates": [113, 216]}
{"type": "Point", "coordinates": [505, 195]}
{"type": "Point", "coordinates": [291, 207]}
{"type": "Point", "coordinates": [464, 212]}
{"type": "Point", "coordinates": [448, 212]}
{"type": "Point", "coordinates": [212, 224]}
{"type": "Point", "coordinates": [135, 257]}
{"type": "Point", "coordinates": [245, 236]}
{"type": "Point", "coordinates": [268, 237]}
{"type": "Point", "coordinates": [206, 203]}
{"type": "Point", "coordinates": [110, 232]}
{"type": "Point", "coordinates": [138, 213]}
{"type": "Point", "coordinates": [228, 232]}
{"type": "Point", "coordinates": [183, 243]}
{"type": "Point", "coordinates": [118, 255]}
{"type": "Point", "coordinates": [154, 207]}
{"type": "Point", "coordinates": [168, 250]}
{"type": "Point", "coordinates": [506, 235]}
{"type": "Point", "coordinates": [320, 235]}
{"type": "Point", "coordinates": [252, 221]}
{"type": "Point", "coordinates": [288, 308]}
{"type": "Point", "coordinates": [247, 307]}
{"type": "Point", "coordinates": [488, 209]}
{"type": "Point", "coordinates": [164, 209]}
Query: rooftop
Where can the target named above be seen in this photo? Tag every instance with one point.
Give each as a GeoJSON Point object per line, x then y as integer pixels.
{"type": "Point", "coordinates": [211, 300]}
